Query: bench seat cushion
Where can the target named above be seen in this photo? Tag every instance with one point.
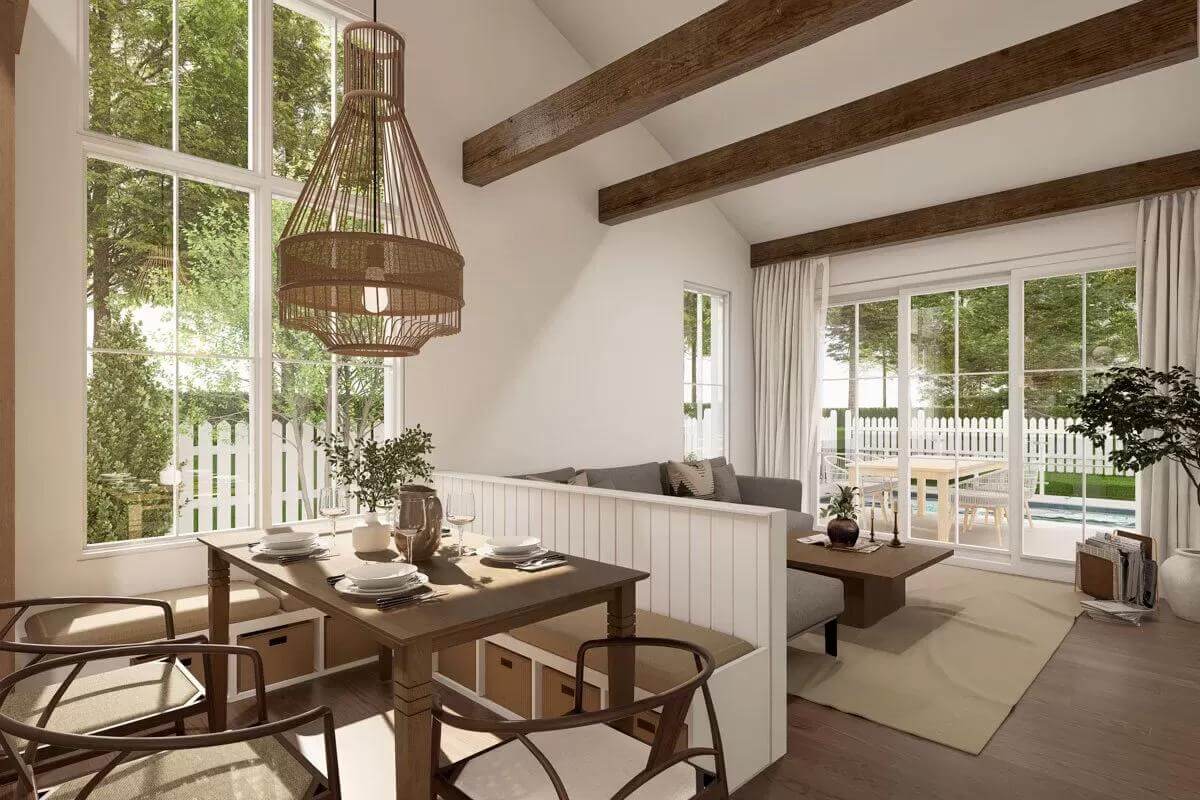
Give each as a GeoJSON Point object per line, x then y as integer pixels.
{"type": "Point", "coordinates": [811, 600]}
{"type": "Point", "coordinates": [102, 624]}
{"type": "Point", "coordinates": [262, 769]}
{"type": "Point", "coordinates": [94, 703]}
{"type": "Point", "coordinates": [658, 669]}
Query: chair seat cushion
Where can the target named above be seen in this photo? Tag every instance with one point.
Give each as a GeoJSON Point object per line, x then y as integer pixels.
{"type": "Point", "coordinates": [262, 769]}
{"type": "Point", "coordinates": [657, 669]}
{"type": "Point", "coordinates": [812, 599]}
{"type": "Point", "coordinates": [105, 624]}
{"type": "Point", "coordinates": [593, 762]}
{"type": "Point", "coordinates": [95, 703]}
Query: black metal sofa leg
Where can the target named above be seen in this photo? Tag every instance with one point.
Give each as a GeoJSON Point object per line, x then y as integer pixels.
{"type": "Point", "coordinates": [831, 638]}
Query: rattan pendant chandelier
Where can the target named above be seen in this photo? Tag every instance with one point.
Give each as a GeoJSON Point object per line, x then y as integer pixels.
{"type": "Point", "coordinates": [367, 261]}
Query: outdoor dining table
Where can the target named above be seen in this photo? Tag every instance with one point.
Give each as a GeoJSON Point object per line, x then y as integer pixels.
{"type": "Point", "coordinates": [481, 599]}
{"type": "Point", "coordinates": [925, 469]}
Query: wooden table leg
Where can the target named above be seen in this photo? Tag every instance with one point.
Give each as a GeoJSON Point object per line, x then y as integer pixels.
{"type": "Point", "coordinates": [868, 600]}
{"type": "Point", "coordinates": [622, 622]}
{"type": "Point", "coordinates": [217, 678]}
{"type": "Point", "coordinates": [920, 495]}
{"type": "Point", "coordinates": [412, 697]}
{"type": "Point", "coordinates": [944, 522]}
{"type": "Point", "coordinates": [385, 663]}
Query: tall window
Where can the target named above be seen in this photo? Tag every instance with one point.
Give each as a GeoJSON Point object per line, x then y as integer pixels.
{"type": "Point", "coordinates": [963, 485]}
{"type": "Point", "coordinates": [704, 364]}
{"type": "Point", "coordinates": [187, 171]}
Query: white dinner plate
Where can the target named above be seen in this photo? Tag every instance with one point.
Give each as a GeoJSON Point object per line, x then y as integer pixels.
{"type": "Point", "coordinates": [381, 576]}
{"type": "Point", "coordinates": [512, 545]}
{"type": "Point", "coordinates": [289, 541]}
{"type": "Point", "coordinates": [346, 586]}
{"type": "Point", "coordinates": [312, 549]}
{"type": "Point", "coordinates": [491, 555]}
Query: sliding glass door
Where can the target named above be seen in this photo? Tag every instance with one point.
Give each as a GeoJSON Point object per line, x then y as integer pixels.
{"type": "Point", "coordinates": [950, 409]}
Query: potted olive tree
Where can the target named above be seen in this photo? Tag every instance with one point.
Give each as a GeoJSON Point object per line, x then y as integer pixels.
{"type": "Point", "coordinates": [1156, 417]}
{"type": "Point", "coordinates": [842, 528]}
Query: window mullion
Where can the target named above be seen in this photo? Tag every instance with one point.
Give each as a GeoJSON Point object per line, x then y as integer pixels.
{"type": "Point", "coordinates": [262, 240]}
{"type": "Point", "coordinates": [175, 75]}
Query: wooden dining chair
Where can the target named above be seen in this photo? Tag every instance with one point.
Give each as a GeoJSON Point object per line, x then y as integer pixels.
{"type": "Point", "coordinates": [253, 762]}
{"type": "Point", "coordinates": [583, 755]}
{"type": "Point", "coordinates": [151, 694]}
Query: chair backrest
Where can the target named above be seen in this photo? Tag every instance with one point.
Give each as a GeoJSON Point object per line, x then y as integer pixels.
{"type": "Point", "coordinates": [122, 748]}
{"type": "Point", "coordinates": [674, 703]}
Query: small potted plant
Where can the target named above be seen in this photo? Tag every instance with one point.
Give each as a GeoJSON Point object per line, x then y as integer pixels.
{"type": "Point", "coordinates": [374, 471]}
{"type": "Point", "coordinates": [842, 528]}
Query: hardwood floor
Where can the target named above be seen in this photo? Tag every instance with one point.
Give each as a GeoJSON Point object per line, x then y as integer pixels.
{"type": "Point", "coordinates": [1115, 714]}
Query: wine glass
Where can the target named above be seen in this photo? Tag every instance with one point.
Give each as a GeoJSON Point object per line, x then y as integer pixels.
{"type": "Point", "coordinates": [460, 512]}
{"type": "Point", "coordinates": [332, 504]}
{"type": "Point", "coordinates": [410, 520]}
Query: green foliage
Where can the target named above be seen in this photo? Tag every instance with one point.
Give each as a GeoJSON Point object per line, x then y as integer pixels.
{"type": "Point", "coordinates": [843, 503]}
{"type": "Point", "coordinates": [214, 79]}
{"type": "Point", "coordinates": [129, 48]}
{"type": "Point", "coordinates": [374, 470]}
{"type": "Point", "coordinates": [301, 91]}
{"type": "Point", "coordinates": [1155, 415]}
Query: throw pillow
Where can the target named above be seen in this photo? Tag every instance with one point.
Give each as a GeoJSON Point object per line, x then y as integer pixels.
{"type": "Point", "coordinates": [691, 479]}
{"type": "Point", "coordinates": [726, 484]}
{"type": "Point", "coordinates": [580, 479]}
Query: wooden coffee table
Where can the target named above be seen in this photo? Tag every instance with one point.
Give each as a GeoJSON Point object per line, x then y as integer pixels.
{"type": "Point", "coordinates": [874, 582]}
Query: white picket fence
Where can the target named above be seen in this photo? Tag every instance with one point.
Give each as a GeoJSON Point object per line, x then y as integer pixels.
{"type": "Point", "coordinates": [1047, 440]}
{"type": "Point", "coordinates": [215, 461]}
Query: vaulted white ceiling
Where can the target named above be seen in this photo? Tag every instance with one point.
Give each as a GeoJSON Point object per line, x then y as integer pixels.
{"type": "Point", "coordinates": [1145, 117]}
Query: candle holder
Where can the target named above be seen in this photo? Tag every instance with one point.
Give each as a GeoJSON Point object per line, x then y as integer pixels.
{"type": "Point", "coordinates": [895, 542]}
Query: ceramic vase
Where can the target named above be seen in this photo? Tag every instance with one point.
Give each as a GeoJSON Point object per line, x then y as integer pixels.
{"type": "Point", "coordinates": [1181, 583]}
{"type": "Point", "coordinates": [842, 532]}
{"type": "Point", "coordinates": [371, 534]}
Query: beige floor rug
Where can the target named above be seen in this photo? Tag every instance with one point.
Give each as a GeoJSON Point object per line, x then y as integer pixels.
{"type": "Point", "coordinates": [951, 664]}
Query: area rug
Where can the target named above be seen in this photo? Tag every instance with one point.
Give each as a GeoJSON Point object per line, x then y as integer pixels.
{"type": "Point", "coordinates": [950, 665]}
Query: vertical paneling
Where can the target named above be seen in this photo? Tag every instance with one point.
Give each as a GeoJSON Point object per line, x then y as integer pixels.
{"type": "Point", "coordinates": [762, 539]}
{"type": "Point", "coordinates": [591, 527]}
{"type": "Point", "coordinates": [521, 524]}
{"type": "Point", "coordinates": [608, 531]}
{"type": "Point", "coordinates": [745, 578]}
{"type": "Point", "coordinates": [641, 550]}
{"type": "Point", "coordinates": [660, 559]}
{"type": "Point", "coordinates": [576, 545]}
{"type": "Point", "coordinates": [485, 511]}
{"type": "Point", "coordinates": [510, 512]}
{"type": "Point", "coordinates": [562, 522]}
{"type": "Point", "coordinates": [701, 567]}
{"type": "Point", "coordinates": [533, 512]}
{"type": "Point", "coordinates": [722, 573]}
{"type": "Point", "coordinates": [680, 558]}
{"type": "Point", "coordinates": [548, 522]}
{"type": "Point", "coordinates": [623, 512]}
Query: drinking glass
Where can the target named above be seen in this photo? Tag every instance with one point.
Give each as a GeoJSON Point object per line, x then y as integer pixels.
{"type": "Point", "coordinates": [410, 520]}
{"type": "Point", "coordinates": [460, 512]}
{"type": "Point", "coordinates": [332, 504]}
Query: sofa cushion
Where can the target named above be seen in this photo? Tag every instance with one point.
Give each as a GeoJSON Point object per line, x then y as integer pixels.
{"type": "Point", "coordinates": [811, 600]}
{"type": "Point", "coordinates": [658, 669]}
{"type": "Point", "coordinates": [799, 523]}
{"type": "Point", "coordinates": [103, 624]}
{"type": "Point", "coordinates": [554, 476]}
{"type": "Point", "coordinates": [726, 484]}
{"type": "Point", "coordinates": [692, 479]}
{"type": "Point", "coordinates": [636, 478]}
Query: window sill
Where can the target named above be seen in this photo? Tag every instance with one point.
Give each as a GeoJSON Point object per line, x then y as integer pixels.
{"type": "Point", "coordinates": [138, 546]}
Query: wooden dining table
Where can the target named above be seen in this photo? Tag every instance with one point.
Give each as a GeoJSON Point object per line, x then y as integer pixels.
{"type": "Point", "coordinates": [481, 599]}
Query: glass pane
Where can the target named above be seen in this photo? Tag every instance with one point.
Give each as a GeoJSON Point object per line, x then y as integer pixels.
{"type": "Point", "coordinates": [301, 91]}
{"type": "Point", "coordinates": [1054, 322]}
{"type": "Point", "coordinates": [129, 87]}
{"type": "Point", "coordinates": [1054, 465]}
{"type": "Point", "coordinates": [214, 270]}
{"type": "Point", "coordinates": [839, 341]}
{"type": "Point", "coordinates": [1112, 318]}
{"type": "Point", "coordinates": [360, 400]}
{"type": "Point", "coordinates": [288, 344]}
{"type": "Point", "coordinates": [129, 413]}
{"type": "Point", "coordinates": [932, 437]}
{"type": "Point", "coordinates": [130, 265]}
{"type": "Point", "coordinates": [214, 79]}
{"type": "Point", "coordinates": [933, 333]}
{"type": "Point", "coordinates": [982, 503]}
{"type": "Point", "coordinates": [877, 345]}
{"type": "Point", "coordinates": [301, 408]}
{"type": "Point", "coordinates": [214, 455]}
{"type": "Point", "coordinates": [983, 329]}
{"type": "Point", "coordinates": [703, 422]}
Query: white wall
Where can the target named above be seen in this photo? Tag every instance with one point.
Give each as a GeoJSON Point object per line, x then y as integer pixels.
{"type": "Point", "coordinates": [1073, 236]}
{"type": "Point", "coordinates": [572, 334]}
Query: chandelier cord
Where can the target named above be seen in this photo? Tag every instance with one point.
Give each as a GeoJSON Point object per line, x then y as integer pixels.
{"type": "Point", "coordinates": [375, 120]}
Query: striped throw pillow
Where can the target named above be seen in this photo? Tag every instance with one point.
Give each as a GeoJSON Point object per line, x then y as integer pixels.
{"type": "Point", "coordinates": [691, 479]}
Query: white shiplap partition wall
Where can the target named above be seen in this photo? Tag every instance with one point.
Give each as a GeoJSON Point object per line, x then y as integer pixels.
{"type": "Point", "coordinates": [717, 565]}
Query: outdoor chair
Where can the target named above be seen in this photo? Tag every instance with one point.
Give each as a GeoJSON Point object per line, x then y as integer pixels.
{"type": "Point", "coordinates": [989, 492]}
{"type": "Point", "coordinates": [835, 471]}
{"type": "Point", "coordinates": [147, 695]}
{"type": "Point", "coordinates": [585, 755]}
{"type": "Point", "coordinates": [254, 762]}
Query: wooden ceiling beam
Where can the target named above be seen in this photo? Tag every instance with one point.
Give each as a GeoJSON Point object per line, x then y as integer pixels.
{"type": "Point", "coordinates": [20, 10]}
{"type": "Point", "coordinates": [1130, 41]}
{"type": "Point", "coordinates": [735, 37]}
{"type": "Point", "coordinates": [1107, 187]}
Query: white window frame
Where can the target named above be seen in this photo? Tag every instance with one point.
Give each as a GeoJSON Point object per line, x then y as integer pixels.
{"type": "Point", "coordinates": [262, 185]}
{"type": "Point", "coordinates": [726, 298]}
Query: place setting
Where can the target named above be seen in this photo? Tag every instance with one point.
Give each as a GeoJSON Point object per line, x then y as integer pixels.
{"type": "Point", "coordinates": [389, 585]}
{"type": "Point", "coordinates": [287, 546]}
{"type": "Point", "coordinates": [526, 554]}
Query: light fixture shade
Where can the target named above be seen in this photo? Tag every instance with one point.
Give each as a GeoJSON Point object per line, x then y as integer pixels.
{"type": "Point", "coordinates": [367, 261]}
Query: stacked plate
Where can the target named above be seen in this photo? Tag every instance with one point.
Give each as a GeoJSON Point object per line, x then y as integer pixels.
{"type": "Point", "coordinates": [289, 543]}
{"type": "Point", "coordinates": [512, 549]}
{"type": "Point", "coordinates": [382, 580]}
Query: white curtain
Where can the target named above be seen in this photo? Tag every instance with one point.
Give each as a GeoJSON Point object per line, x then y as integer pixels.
{"type": "Point", "coordinates": [789, 329]}
{"type": "Point", "coordinates": [1169, 334]}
